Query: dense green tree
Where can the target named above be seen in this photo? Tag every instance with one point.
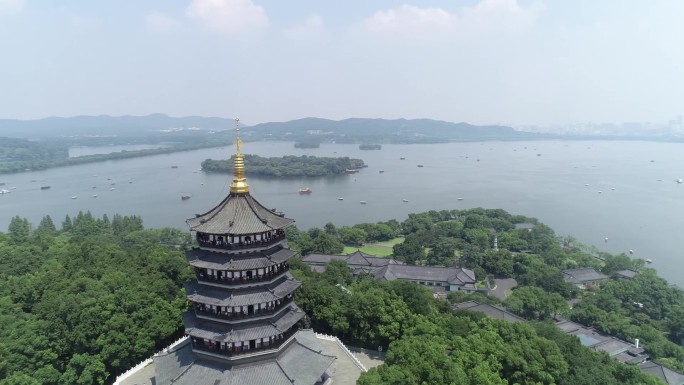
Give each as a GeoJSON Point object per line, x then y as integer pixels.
{"type": "Point", "coordinates": [442, 253]}
{"type": "Point", "coordinates": [408, 251]}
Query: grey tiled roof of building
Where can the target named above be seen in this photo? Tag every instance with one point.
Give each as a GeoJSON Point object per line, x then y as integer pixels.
{"type": "Point", "coordinates": [626, 274]}
{"type": "Point", "coordinates": [452, 275]}
{"type": "Point", "coordinates": [489, 311]}
{"type": "Point", "coordinates": [623, 351]}
{"type": "Point", "coordinates": [356, 258]}
{"type": "Point", "coordinates": [302, 362]}
{"type": "Point", "coordinates": [241, 297]}
{"type": "Point", "coordinates": [669, 376]}
{"type": "Point", "coordinates": [579, 276]}
{"type": "Point", "coordinates": [238, 214]}
{"type": "Point", "coordinates": [200, 328]}
{"type": "Point", "coordinates": [220, 261]}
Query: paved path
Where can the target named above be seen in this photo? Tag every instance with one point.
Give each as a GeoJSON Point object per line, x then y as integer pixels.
{"type": "Point", "coordinates": [503, 285]}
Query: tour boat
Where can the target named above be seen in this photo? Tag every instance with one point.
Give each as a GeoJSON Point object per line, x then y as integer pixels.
{"type": "Point", "coordinates": [74, 197]}
{"type": "Point", "coordinates": [404, 200]}
{"type": "Point", "coordinates": [459, 199]}
{"type": "Point", "coordinates": [305, 190]}
{"type": "Point", "coordinates": [402, 158]}
{"type": "Point", "coordinates": [185, 197]}
{"type": "Point", "coordinates": [94, 195]}
{"type": "Point", "coordinates": [363, 202]}
{"type": "Point", "coordinates": [4, 191]}
{"type": "Point", "coordinates": [649, 261]}
{"type": "Point", "coordinates": [351, 171]}
{"type": "Point", "coordinates": [44, 187]}
{"type": "Point", "coordinates": [680, 180]}
{"type": "Point", "coordinates": [340, 199]}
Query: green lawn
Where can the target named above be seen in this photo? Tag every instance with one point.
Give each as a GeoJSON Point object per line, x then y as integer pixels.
{"type": "Point", "coordinates": [379, 249]}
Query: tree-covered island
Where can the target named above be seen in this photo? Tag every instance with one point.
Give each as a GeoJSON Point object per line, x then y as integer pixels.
{"type": "Point", "coordinates": [82, 303]}
{"type": "Point", "coordinates": [288, 166]}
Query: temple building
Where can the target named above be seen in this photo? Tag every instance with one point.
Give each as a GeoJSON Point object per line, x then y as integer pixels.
{"type": "Point", "coordinates": [242, 327]}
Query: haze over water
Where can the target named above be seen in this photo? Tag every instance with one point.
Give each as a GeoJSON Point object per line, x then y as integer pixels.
{"type": "Point", "coordinates": [546, 180]}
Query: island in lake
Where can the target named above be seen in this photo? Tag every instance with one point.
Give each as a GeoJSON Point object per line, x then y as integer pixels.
{"type": "Point", "coordinates": [288, 166]}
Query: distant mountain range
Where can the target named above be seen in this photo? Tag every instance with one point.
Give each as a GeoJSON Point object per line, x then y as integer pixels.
{"type": "Point", "coordinates": [308, 129]}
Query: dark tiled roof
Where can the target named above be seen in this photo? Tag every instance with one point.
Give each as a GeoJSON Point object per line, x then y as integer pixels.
{"type": "Point", "coordinates": [223, 261]}
{"type": "Point", "coordinates": [579, 276]}
{"type": "Point", "coordinates": [238, 214]}
{"type": "Point", "coordinates": [451, 275]}
{"type": "Point", "coordinates": [196, 327]}
{"type": "Point", "coordinates": [626, 274]}
{"type": "Point", "coordinates": [302, 362]}
{"type": "Point", "coordinates": [623, 351]}
{"type": "Point", "coordinates": [226, 297]}
{"type": "Point", "coordinates": [489, 311]}
{"type": "Point", "coordinates": [669, 376]}
{"type": "Point", "coordinates": [357, 258]}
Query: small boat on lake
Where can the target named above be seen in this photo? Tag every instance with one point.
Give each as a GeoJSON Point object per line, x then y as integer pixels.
{"type": "Point", "coordinates": [649, 261]}
{"type": "Point", "coordinates": [363, 202]}
{"type": "Point", "coordinates": [94, 195]}
{"type": "Point", "coordinates": [459, 199]}
{"type": "Point", "coordinates": [420, 165]}
{"type": "Point", "coordinates": [44, 187]}
{"type": "Point", "coordinates": [74, 197]}
{"type": "Point", "coordinates": [402, 158]}
{"type": "Point", "coordinates": [351, 171]}
{"type": "Point", "coordinates": [174, 166]}
{"type": "Point", "coordinates": [405, 200]}
{"type": "Point", "coordinates": [340, 199]}
{"type": "Point", "coordinates": [185, 197]}
{"type": "Point", "coordinates": [381, 171]}
{"type": "Point", "coordinates": [305, 190]}
{"type": "Point", "coordinates": [680, 180]}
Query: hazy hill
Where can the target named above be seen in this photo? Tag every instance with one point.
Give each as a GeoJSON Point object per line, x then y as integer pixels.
{"type": "Point", "coordinates": [313, 129]}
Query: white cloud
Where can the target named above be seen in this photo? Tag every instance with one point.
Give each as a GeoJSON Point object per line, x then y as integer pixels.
{"type": "Point", "coordinates": [312, 29]}
{"type": "Point", "coordinates": [497, 16]}
{"type": "Point", "coordinates": [161, 22]}
{"type": "Point", "coordinates": [232, 17]}
{"type": "Point", "coordinates": [9, 7]}
{"type": "Point", "coordinates": [410, 19]}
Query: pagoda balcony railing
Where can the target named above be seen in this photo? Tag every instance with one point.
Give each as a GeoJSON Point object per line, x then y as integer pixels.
{"type": "Point", "coordinates": [238, 280]}
{"type": "Point", "coordinates": [241, 245]}
{"type": "Point", "coordinates": [238, 351]}
{"type": "Point", "coordinates": [237, 316]}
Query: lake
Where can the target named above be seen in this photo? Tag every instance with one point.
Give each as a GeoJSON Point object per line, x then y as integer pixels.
{"type": "Point", "coordinates": [621, 190]}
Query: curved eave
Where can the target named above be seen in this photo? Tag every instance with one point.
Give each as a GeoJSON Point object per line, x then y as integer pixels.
{"type": "Point", "coordinates": [238, 214]}
{"type": "Point", "coordinates": [205, 259]}
{"type": "Point", "coordinates": [218, 297]}
{"type": "Point", "coordinates": [196, 327]}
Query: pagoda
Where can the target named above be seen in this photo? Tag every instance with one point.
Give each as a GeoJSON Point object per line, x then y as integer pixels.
{"type": "Point", "coordinates": [242, 325]}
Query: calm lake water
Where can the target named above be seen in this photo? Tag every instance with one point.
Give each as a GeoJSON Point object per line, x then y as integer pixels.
{"type": "Point", "coordinates": [623, 191]}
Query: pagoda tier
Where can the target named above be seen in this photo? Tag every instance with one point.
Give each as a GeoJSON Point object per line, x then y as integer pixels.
{"type": "Point", "coordinates": [241, 304]}
{"type": "Point", "coordinates": [235, 340]}
{"type": "Point", "coordinates": [239, 214]}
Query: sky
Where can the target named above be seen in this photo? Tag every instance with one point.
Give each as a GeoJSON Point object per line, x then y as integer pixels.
{"type": "Point", "coordinates": [514, 62]}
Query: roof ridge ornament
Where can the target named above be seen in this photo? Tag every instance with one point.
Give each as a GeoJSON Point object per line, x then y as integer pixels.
{"type": "Point", "coordinates": [239, 185]}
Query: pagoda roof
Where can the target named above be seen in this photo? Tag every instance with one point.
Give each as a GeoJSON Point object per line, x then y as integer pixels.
{"type": "Point", "coordinates": [222, 297]}
{"type": "Point", "coordinates": [302, 362]}
{"type": "Point", "coordinates": [199, 328]}
{"type": "Point", "coordinates": [206, 259]}
{"type": "Point", "coordinates": [238, 213]}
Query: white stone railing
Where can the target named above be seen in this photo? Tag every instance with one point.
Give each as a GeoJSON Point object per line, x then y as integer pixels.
{"type": "Point", "coordinates": [346, 350]}
{"type": "Point", "coordinates": [122, 377]}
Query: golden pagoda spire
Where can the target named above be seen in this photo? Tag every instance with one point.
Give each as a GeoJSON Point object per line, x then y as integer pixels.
{"type": "Point", "coordinates": [239, 184]}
